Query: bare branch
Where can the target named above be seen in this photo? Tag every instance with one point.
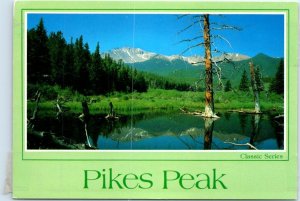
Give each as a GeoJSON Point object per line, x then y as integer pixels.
{"type": "Point", "coordinates": [198, 62]}
{"type": "Point", "coordinates": [247, 144]}
{"type": "Point", "coordinates": [188, 27]}
{"type": "Point", "coordinates": [216, 51]}
{"type": "Point", "coordinates": [219, 74]}
{"type": "Point", "coordinates": [191, 47]}
{"type": "Point", "coordinates": [220, 15]}
{"type": "Point", "coordinates": [225, 60]}
{"type": "Point", "coordinates": [199, 17]}
{"type": "Point", "coordinates": [223, 38]}
{"type": "Point", "coordinates": [181, 16]}
{"type": "Point", "coordinates": [223, 27]}
{"type": "Point", "coordinates": [190, 40]}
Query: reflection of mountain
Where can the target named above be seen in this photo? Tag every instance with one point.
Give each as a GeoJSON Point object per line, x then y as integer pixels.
{"type": "Point", "coordinates": [167, 131]}
{"type": "Point", "coordinates": [135, 134]}
{"type": "Point", "coordinates": [182, 68]}
{"type": "Point", "coordinates": [182, 125]}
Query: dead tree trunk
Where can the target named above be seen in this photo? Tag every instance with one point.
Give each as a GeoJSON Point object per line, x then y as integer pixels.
{"type": "Point", "coordinates": [59, 110]}
{"type": "Point", "coordinates": [254, 88]}
{"type": "Point", "coordinates": [209, 98]}
{"type": "Point", "coordinates": [85, 117]}
{"type": "Point", "coordinates": [32, 120]}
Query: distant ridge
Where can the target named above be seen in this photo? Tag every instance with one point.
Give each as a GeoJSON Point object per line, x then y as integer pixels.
{"type": "Point", "coordinates": [133, 55]}
{"type": "Point", "coordinates": [181, 68]}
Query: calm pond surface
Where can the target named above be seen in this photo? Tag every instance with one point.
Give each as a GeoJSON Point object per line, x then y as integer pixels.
{"type": "Point", "coordinates": [173, 131]}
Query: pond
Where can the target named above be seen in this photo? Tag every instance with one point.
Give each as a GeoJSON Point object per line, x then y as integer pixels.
{"type": "Point", "coordinates": [165, 131]}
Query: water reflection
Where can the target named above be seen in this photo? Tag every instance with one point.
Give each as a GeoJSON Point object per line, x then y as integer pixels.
{"type": "Point", "coordinates": [208, 132]}
{"type": "Point", "coordinates": [167, 131]}
{"type": "Point", "coordinates": [255, 129]}
{"type": "Point", "coordinates": [243, 121]}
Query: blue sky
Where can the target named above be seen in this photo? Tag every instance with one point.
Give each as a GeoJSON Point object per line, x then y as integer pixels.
{"type": "Point", "coordinates": [159, 32]}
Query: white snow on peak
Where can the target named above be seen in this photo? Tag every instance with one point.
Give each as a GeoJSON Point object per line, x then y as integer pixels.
{"type": "Point", "coordinates": [133, 55]}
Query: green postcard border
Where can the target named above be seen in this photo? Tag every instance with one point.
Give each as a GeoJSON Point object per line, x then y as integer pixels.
{"type": "Point", "coordinates": [83, 154]}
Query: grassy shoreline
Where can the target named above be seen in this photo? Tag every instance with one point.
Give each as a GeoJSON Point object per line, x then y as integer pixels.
{"type": "Point", "coordinates": [158, 99]}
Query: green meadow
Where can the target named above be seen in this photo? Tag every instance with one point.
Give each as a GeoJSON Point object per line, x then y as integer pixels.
{"type": "Point", "coordinates": [161, 99]}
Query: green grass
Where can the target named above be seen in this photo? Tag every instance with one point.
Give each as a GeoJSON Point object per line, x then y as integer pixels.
{"type": "Point", "coordinates": [159, 99]}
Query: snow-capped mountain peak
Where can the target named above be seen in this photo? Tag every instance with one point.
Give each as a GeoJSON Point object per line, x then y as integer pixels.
{"type": "Point", "coordinates": [134, 55]}
{"type": "Point", "coordinates": [131, 55]}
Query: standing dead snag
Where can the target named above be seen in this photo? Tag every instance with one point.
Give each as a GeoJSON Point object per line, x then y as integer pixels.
{"type": "Point", "coordinates": [85, 117]}
{"type": "Point", "coordinates": [211, 64]}
{"type": "Point", "coordinates": [254, 88]}
{"type": "Point", "coordinates": [31, 121]}
{"type": "Point", "coordinates": [209, 94]}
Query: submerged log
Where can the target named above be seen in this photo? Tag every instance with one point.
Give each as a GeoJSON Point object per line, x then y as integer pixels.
{"type": "Point", "coordinates": [196, 113]}
{"type": "Point", "coordinates": [246, 111]}
{"type": "Point", "coordinates": [111, 117]}
{"type": "Point", "coordinates": [279, 116]}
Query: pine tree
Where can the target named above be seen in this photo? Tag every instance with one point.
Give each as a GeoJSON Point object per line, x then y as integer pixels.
{"type": "Point", "coordinates": [228, 86]}
{"type": "Point", "coordinates": [81, 66]}
{"type": "Point", "coordinates": [57, 57]}
{"type": "Point", "coordinates": [259, 81]}
{"type": "Point", "coordinates": [277, 84]}
{"type": "Point", "coordinates": [69, 66]}
{"type": "Point", "coordinates": [96, 72]}
{"type": "Point", "coordinates": [244, 84]}
{"type": "Point", "coordinates": [38, 54]}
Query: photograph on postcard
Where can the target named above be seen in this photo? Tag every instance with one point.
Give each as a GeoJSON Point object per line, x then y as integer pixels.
{"type": "Point", "coordinates": [155, 81]}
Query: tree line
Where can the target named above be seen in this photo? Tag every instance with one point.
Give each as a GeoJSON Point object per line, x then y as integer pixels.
{"type": "Point", "coordinates": [276, 84]}
{"type": "Point", "coordinates": [53, 61]}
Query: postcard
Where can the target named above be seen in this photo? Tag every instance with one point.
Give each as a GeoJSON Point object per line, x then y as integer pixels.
{"type": "Point", "coordinates": [155, 100]}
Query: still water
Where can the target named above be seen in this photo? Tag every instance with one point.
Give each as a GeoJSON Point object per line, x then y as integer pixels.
{"type": "Point", "coordinates": [168, 131]}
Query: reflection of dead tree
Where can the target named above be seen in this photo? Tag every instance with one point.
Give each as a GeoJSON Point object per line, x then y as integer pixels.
{"type": "Point", "coordinates": [208, 129]}
{"type": "Point", "coordinates": [195, 140]}
{"type": "Point", "coordinates": [85, 117]}
{"type": "Point", "coordinates": [255, 127]}
{"type": "Point", "coordinates": [246, 144]}
{"type": "Point", "coordinates": [44, 138]}
{"type": "Point", "coordinates": [255, 132]}
{"type": "Point", "coordinates": [49, 139]}
{"type": "Point", "coordinates": [211, 66]}
{"type": "Point", "coordinates": [189, 146]}
{"type": "Point", "coordinates": [31, 121]}
{"type": "Point", "coordinates": [185, 143]}
{"type": "Point", "coordinates": [279, 120]}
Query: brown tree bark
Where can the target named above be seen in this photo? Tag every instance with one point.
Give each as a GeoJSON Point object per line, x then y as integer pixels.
{"type": "Point", "coordinates": [209, 98]}
{"type": "Point", "coordinates": [254, 88]}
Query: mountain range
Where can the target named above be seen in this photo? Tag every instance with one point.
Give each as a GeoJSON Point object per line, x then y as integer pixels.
{"type": "Point", "coordinates": [135, 55]}
{"type": "Point", "coordinates": [189, 68]}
